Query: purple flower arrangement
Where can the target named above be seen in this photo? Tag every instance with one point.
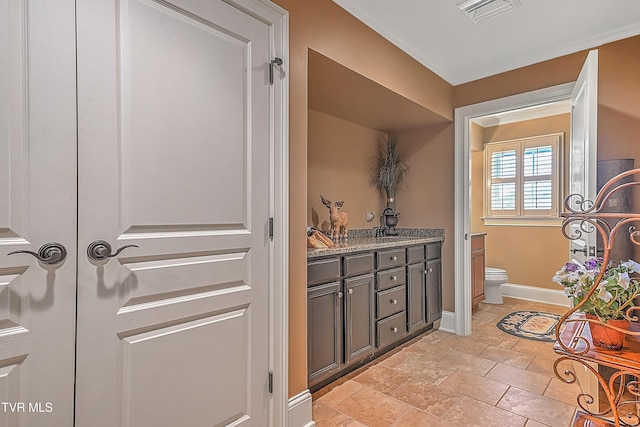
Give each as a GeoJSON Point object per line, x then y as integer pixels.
{"type": "Point", "coordinates": [615, 292]}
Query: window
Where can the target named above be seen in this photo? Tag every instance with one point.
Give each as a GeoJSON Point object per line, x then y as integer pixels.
{"type": "Point", "coordinates": [523, 181]}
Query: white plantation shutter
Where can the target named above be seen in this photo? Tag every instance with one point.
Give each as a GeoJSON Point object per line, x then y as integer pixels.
{"type": "Point", "coordinates": [523, 177]}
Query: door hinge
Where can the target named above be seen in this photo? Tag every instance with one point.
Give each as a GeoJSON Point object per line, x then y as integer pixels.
{"type": "Point", "coordinates": [275, 61]}
{"type": "Point", "coordinates": [271, 228]}
{"type": "Point", "coordinates": [271, 382]}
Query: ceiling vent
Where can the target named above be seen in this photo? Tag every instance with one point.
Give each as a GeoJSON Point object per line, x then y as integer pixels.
{"type": "Point", "coordinates": [479, 10]}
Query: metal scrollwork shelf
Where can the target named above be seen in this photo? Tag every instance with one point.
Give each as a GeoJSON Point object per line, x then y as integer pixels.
{"type": "Point", "coordinates": [574, 344]}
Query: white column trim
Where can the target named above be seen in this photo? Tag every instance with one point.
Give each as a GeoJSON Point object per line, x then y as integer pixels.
{"type": "Point", "coordinates": [300, 410]}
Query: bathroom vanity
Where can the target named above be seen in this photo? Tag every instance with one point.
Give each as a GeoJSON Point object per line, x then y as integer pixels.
{"type": "Point", "coordinates": [477, 268]}
{"type": "Point", "coordinates": [366, 297]}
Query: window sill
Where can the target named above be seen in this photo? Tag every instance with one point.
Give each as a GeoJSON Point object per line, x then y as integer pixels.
{"type": "Point", "coordinates": [524, 221]}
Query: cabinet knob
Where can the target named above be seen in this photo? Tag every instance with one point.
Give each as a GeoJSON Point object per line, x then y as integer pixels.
{"type": "Point", "coordinates": [350, 291]}
{"type": "Point", "coordinates": [394, 301]}
{"type": "Point", "coordinates": [428, 270]}
{"type": "Point", "coordinates": [394, 258]}
{"type": "Point", "coordinates": [394, 278]}
{"type": "Point", "coordinates": [340, 294]}
{"type": "Point", "coordinates": [394, 329]}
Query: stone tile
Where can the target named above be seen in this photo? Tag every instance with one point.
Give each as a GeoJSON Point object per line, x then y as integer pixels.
{"type": "Point", "coordinates": [475, 387]}
{"type": "Point", "coordinates": [550, 308]}
{"type": "Point", "coordinates": [507, 356]}
{"type": "Point", "coordinates": [543, 364]}
{"type": "Point", "coordinates": [539, 347]}
{"type": "Point", "coordinates": [325, 416]}
{"type": "Point", "coordinates": [542, 409]}
{"type": "Point", "coordinates": [417, 418]}
{"type": "Point", "coordinates": [419, 367]}
{"type": "Point", "coordinates": [381, 378]}
{"type": "Point", "coordinates": [526, 380]}
{"type": "Point", "coordinates": [470, 412]}
{"type": "Point", "coordinates": [425, 396]}
{"type": "Point", "coordinates": [559, 390]}
{"type": "Point", "coordinates": [468, 363]}
{"type": "Point", "coordinates": [465, 345]}
{"type": "Point", "coordinates": [487, 316]}
{"type": "Point", "coordinates": [340, 393]}
{"type": "Point", "coordinates": [532, 423]}
{"type": "Point", "coordinates": [372, 408]}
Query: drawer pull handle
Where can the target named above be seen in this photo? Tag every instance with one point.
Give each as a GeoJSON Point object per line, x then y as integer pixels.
{"type": "Point", "coordinates": [394, 258]}
{"type": "Point", "coordinates": [350, 291]}
{"type": "Point", "coordinates": [394, 329]}
{"type": "Point", "coordinates": [394, 278]}
{"type": "Point", "coordinates": [394, 301]}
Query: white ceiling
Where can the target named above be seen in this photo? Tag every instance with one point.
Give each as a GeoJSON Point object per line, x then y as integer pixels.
{"type": "Point", "coordinates": [441, 37]}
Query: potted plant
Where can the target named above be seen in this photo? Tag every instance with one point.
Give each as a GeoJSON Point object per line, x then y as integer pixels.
{"type": "Point", "coordinates": [388, 171]}
{"type": "Point", "coordinates": [609, 302]}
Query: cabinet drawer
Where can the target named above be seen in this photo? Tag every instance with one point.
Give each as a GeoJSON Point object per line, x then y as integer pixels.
{"type": "Point", "coordinates": [391, 301]}
{"type": "Point", "coordinates": [324, 270]}
{"type": "Point", "coordinates": [391, 258]}
{"type": "Point", "coordinates": [434, 250]}
{"type": "Point", "coordinates": [391, 329]}
{"type": "Point", "coordinates": [415, 254]}
{"type": "Point", "coordinates": [390, 278]}
{"type": "Point", "coordinates": [477, 242]}
{"type": "Point", "coordinates": [358, 264]}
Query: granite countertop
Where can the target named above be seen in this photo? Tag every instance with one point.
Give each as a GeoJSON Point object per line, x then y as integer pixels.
{"type": "Point", "coordinates": [359, 242]}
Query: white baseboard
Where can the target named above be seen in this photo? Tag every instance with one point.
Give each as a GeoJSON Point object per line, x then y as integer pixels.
{"type": "Point", "coordinates": [299, 413]}
{"type": "Point", "coordinates": [448, 322]}
{"type": "Point", "coordinates": [532, 293]}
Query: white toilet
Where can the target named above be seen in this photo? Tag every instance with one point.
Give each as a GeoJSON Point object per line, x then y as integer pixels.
{"type": "Point", "coordinates": [493, 279]}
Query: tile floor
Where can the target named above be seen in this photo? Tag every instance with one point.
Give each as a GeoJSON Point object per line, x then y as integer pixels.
{"type": "Point", "coordinates": [489, 378]}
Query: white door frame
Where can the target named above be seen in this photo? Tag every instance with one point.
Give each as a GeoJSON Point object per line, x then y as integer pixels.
{"type": "Point", "coordinates": [278, 19]}
{"type": "Point", "coordinates": [462, 185]}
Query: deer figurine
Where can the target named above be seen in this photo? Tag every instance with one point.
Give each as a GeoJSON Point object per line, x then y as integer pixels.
{"type": "Point", "coordinates": [339, 220]}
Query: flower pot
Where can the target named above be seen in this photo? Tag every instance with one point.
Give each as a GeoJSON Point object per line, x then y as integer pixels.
{"type": "Point", "coordinates": [605, 337]}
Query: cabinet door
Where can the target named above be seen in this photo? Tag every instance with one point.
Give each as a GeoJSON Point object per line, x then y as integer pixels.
{"type": "Point", "coordinates": [359, 317]}
{"type": "Point", "coordinates": [477, 275]}
{"type": "Point", "coordinates": [416, 298]}
{"type": "Point", "coordinates": [324, 323]}
{"type": "Point", "coordinates": [433, 285]}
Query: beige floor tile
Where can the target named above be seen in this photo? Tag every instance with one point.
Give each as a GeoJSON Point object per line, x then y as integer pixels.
{"type": "Point", "coordinates": [475, 387]}
{"type": "Point", "coordinates": [539, 408]}
{"type": "Point", "coordinates": [381, 378]}
{"type": "Point", "coordinates": [559, 390]}
{"type": "Point", "coordinates": [550, 308]}
{"type": "Point", "coordinates": [542, 363]}
{"type": "Point", "coordinates": [372, 408]}
{"type": "Point", "coordinates": [487, 316]}
{"type": "Point", "coordinates": [526, 380]}
{"type": "Point", "coordinates": [532, 423]}
{"type": "Point", "coordinates": [420, 367]}
{"type": "Point", "coordinates": [469, 412]}
{"type": "Point", "coordinates": [468, 363]}
{"type": "Point", "coordinates": [464, 345]}
{"type": "Point", "coordinates": [417, 418]}
{"type": "Point", "coordinates": [533, 346]}
{"type": "Point", "coordinates": [325, 416]}
{"type": "Point", "coordinates": [423, 395]}
{"type": "Point", "coordinates": [340, 393]}
{"type": "Point", "coordinates": [507, 356]}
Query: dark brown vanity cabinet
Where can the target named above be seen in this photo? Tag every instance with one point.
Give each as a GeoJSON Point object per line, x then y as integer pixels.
{"type": "Point", "coordinates": [340, 314]}
{"type": "Point", "coordinates": [433, 281]}
{"type": "Point", "coordinates": [365, 303]}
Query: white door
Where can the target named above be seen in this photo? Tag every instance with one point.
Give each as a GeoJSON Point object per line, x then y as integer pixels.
{"type": "Point", "coordinates": [583, 157]}
{"type": "Point", "coordinates": [174, 154]}
{"type": "Point", "coordinates": [37, 206]}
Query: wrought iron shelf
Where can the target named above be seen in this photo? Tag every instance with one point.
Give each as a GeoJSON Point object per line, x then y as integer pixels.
{"type": "Point", "coordinates": [574, 344]}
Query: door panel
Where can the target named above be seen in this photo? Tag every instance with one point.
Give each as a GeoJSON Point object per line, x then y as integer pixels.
{"type": "Point", "coordinates": [174, 148]}
{"type": "Point", "coordinates": [583, 154]}
{"type": "Point", "coordinates": [37, 205]}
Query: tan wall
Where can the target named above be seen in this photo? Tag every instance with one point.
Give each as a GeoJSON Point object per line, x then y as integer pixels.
{"type": "Point", "coordinates": [531, 255]}
{"type": "Point", "coordinates": [428, 199]}
{"type": "Point", "coordinates": [323, 26]}
{"type": "Point", "coordinates": [339, 156]}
